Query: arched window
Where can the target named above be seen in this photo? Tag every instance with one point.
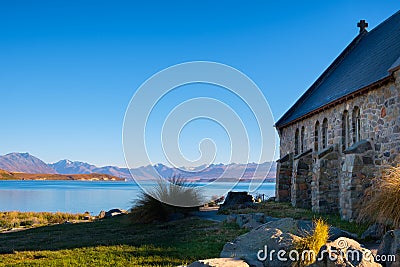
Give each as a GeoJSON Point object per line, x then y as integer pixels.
{"type": "Point", "coordinates": [345, 130]}
{"type": "Point", "coordinates": [316, 136]}
{"type": "Point", "coordinates": [303, 145]}
{"type": "Point", "coordinates": [296, 142]}
{"type": "Point", "coordinates": [356, 125]}
{"type": "Point", "coordinates": [325, 133]}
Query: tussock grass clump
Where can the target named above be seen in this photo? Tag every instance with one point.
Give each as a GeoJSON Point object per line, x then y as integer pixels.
{"type": "Point", "coordinates": [309, 245]}
{"type": "Point", "coordinates": [164, 201]}
{"type": "Point", "coordinates": [382, 200]}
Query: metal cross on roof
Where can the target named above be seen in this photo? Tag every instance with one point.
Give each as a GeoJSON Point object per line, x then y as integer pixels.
{"type": "Point", "coordinates": [363, 25]}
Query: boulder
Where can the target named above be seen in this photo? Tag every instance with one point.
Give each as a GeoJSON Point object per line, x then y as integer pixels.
{"type": "Point", "coordinates": [390, 245]}
{"type": "Point", "coordinates": [296, 227]}
{"type": "Point", "coordinates": [250, 220]}
{"type": "Point", "coordinates": [258, 217]}
{"type": "Point", "coordinates": [268, 219]}
{"type": "Point", "coordinates": [375, 232]}
{"type": "Point", "coordinates": [102, 214]}
{"type": "Point", "coordinates": [344, 252]}
{"type": "Point", "coordinates": [236, 200]}
{"type": "Point", "coordinates": [242, 219]}
{"type": "Point", "coordinates": [299, 227]}
{"type": "Point", "coordinates": [335, 233]}
{"type": "Point", "coordinates": [286, 225]}
{"type": "Point", "coordinates": [231, 218]}
{"type": "Point", "coordinates": [259, 242]}
{"type": "Point", "coordinates": [114, 212]}
{"type": "Point", "coordinates": [251, 225]}
{"type": "Point", "coordinates": [219, 262]}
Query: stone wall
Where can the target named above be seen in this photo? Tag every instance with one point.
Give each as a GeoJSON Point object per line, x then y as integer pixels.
{"type": "Point", "coordinates": [301, 181]}
{"type": "Point", "coordinates": [326, 181]}
{"type": "Point", "coordinates": [284, 183]}
{"type": "Point", "coordinates": [379, 117]}
{"type": "Point", "coordinates": [356, 176]}
{"type": "Point", "coordinates": [334, 179]}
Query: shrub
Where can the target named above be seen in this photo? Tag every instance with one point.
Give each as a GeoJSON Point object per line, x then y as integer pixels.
{"type": "Point", "coordinates": [382, 200]}
{"type": "Point", "coordinates": [312, 241]}
{"type": "Point", "coordinates": [159, 205]}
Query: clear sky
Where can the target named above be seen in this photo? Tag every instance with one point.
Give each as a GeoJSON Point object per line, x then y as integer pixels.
{"type": "Point", "coordinates": [68, 69]}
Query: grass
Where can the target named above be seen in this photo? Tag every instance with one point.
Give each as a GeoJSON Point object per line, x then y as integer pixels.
{"type": "Point", "coordinates": [167, 198]}
{"type": "Point", "coordinates": [285, 210]}
{"type": "Point", "coordinates": [312, 242]}
{"type": "Point", "coordinates": [116, 242]}
{"type": "Point", "coordinates": [382, 201]}
{"type": "Point", "coordinates": [16, 219]}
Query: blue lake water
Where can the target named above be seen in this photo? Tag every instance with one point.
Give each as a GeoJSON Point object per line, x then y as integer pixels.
{"type": "Point", "coordinates": [81, 196]}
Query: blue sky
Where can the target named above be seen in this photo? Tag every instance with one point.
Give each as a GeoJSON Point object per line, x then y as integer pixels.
{"type": "Point", "coordinates": [68, 69]}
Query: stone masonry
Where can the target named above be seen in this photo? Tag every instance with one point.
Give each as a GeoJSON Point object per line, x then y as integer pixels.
{"type": "Point", "coordinates": [330, 168]}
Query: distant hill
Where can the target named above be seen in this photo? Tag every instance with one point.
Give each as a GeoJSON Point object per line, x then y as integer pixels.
{"type": "Point", "coordinates": [76, 167]}
{"type": "Point", "coordinates": [5, 175]}
{"type": "Point", "coordinates": [24, 162]}
{"type": "Point", "coordinates": [230, 171]}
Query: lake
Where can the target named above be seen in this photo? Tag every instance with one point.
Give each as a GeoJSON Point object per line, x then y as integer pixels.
{"type": "Point", "coordinates": [92, 196]}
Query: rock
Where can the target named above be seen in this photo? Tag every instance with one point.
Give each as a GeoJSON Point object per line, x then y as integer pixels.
{"type": "Point", "coordinates": [335, 233]}
{"type": "Point", "coordinates": [87, 217]}
{"type": "Point", "coordinates": [390, 245]}
{"type": "Point", "coordinates": [102, 214]}
{"type": "Point", "coordinates": [375, 232]}
{"type": "Point", "coordinates": [258, 217]}
{"type": "Point", "coordinates": [235, 200]}
{"type": "Point", "coordinates": [286, 225]}
{"type": "Point", "coordinates": [249, 221]}
{"type": "Point", "coordinates": [247, 246]}
{"type": "Point", "coordinates": [231, 218]}
{"type": "Point", "coordinates": [344, 252]}
{"type": "Point", "coordinates": [219, 262]}
{"type": "Point", "coordinates": [114, 212]}
{"type": "Point", "coordinates": [299, 227]}
{"type": "Point", "coordinates": [268, 219]}
{"type": "Point", "coordinates": [251, 225]}
{"type": "Point", "coordinates": [242, 219]}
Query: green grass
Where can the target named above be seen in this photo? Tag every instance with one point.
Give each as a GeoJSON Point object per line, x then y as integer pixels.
{"type": "Point", "coordinates": [116, 242]}
{"type": "Point", "coordinates": [284, 210]}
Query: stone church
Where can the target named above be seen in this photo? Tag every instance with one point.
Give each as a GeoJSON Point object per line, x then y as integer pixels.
{"type": "Point", "coordinates": [345, 128]}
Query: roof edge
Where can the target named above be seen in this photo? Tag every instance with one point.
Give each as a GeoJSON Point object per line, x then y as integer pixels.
{"type": "Point", "coordinates": [323, 76]}
{"type": "Point", "coordinates": [395, 66]}
{"type": "Point", "coordinates": [360, 91]}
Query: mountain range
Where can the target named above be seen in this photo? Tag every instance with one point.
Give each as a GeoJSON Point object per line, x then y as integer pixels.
{"type": "Point", "coordinates": [24, 162]}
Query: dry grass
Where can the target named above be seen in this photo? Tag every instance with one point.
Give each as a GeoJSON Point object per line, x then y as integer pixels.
{"type": "Point", "coordinates": [382, 201]}
{"type": "Point", "coordinates": [159, 206]}
{"type": "Point", "coordinates": [312, 242]}
{"type": "Point", "coordinates": [15, 219]}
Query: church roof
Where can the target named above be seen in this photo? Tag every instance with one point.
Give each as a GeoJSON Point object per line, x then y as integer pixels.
{"type": "Point", "coordinates": [371, 57]}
